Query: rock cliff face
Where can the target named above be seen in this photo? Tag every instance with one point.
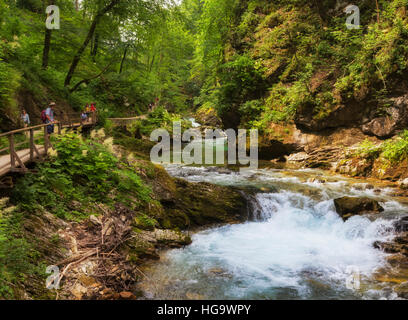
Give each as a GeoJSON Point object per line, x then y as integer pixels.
{"type": "Point", "coordinates": [350, 115]}
{"type": "Point", "coordinates": [189, 205]}
{"type": "Point", "coordinates": [394, 119]}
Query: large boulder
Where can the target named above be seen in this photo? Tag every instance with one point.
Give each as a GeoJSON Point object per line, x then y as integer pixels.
{"type": "Point", "coordinates": [203, 204]}
{"type": "Point", "coordinates": [208, 117]}
{"type": "Point", "coordinates": [275, 150]}
{"type": "Point", "coordinates": [342, 116]}
{"type": "Point", "coordinates": [401, 225]}
{"type": "Point", "coordinates": [185, 205]}
{"type": "Point", "coordinates": [388, 125]}
{"type": "Point", "coordinates": [347, 207]}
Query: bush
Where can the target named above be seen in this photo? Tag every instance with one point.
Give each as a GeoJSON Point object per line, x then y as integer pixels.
{"type": "Point", "coordinates": [15, 251]}
{"type": "Point", "coordinates": [369, 150]}
{"type": "Point", "coordinates": [9, 83]}
{"type": "Point", "coordinates": [396, 150]}
{"type": "Point", "coordinates": [85, 171]}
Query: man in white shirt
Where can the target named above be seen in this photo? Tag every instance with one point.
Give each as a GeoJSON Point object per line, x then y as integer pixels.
{"type": "Point", "coordinates": [49, 114]}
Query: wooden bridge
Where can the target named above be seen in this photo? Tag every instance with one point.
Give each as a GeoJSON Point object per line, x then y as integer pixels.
{"type": "Point", "coordinates": [31, 144]}
{"type": "Point", "coordinates": [126, 121]}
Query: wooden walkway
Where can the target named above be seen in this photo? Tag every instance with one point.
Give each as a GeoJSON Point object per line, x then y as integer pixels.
{"type": "Point", "coordinates": [34, 143]}
{"type": "Point", "coordinates": [126, 121]}
{"type": "Point", "coordinates": [23, 155]}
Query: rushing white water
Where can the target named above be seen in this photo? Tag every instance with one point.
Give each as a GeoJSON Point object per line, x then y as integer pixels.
{"type": "Point", "coordinates": [194, 123]}
{"type": "Point", "coordinates": [296, 248]}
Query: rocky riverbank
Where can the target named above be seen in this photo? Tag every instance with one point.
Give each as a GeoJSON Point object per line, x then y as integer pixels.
{"type": "Point", "coordinates": [103, 253]}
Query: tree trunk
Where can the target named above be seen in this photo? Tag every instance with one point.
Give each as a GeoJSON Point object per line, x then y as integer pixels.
{"type": "Point", "coordinates": [47, 45]}
{"type": "Point", "coordinates": [88, 38]}
{"type": "Point", "coordinates": [378, 12]}
{"type": "Point", "coordinates": [123, 59]}
{"type": "Point", "coordinates": [95, 46]}
{"type": "Point", "coordinates": [77, 5]}
{"type": "Point", "coordinates": [47, 42]}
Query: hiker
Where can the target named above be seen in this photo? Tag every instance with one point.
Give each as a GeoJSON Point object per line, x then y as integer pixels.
{"type": "Point", "coordinates": [49, 117]}
{"type": "Point", "coordinates": [87, 109]}
{"type": "Point", "coordinates": [25, 118]}
{"type": "Point", "coordinates": [93, 107]}
{"type": "Point", "coordinates": [84, 117]}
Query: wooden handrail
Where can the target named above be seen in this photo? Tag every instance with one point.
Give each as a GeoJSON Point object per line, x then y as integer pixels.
{"type": "Point", "coordinates": [125, 119]}
{"type": "Point", "coordinates": [27, 129]}
{"type": "Point", "coordinates": [18, 159]}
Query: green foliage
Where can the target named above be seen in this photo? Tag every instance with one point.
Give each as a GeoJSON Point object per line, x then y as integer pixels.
{"type": "Point", "coordinates": [145, 222]}
{"type": "Point", "coordinates": [396, 150]}
{"type": "Point", "coordinates": [15, 251]}
{"type": "Point", "coordinates": [160, 118]}
{"type": "Point", "coordinates": [84, 171]}
{"type": "Point", "coordinates": [9, 83]}
{"type": "Point", "coordinates": [308, 61]}
{"type": "Point", "coordinates": [369, 150]}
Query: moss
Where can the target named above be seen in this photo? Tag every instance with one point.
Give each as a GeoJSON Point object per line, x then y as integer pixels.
{"type": "Point", "coordinates": [144, 222]}
{"type": "Point", "coordinates": [204, 204]}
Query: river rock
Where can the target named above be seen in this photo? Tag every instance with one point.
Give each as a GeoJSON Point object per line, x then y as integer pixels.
{"type": "Point", "coordinates": [390, 247]}
{"type": "Point", "coordinates": [401, 225]}
{"type": "Point", "coordinates": [403, 184]}
{"type": "Point", "coordinates": [395, 119]}
{"type": "Point", "coordinates": [208, 117]}
{"type": "Point", "coordinates": [298, 157]}
{"type": "Point", "coordinates": [316, 180]}
{"type": "Point", "coordinates": [216, 271]}
{"type": "Point", "coordinates": [189, 204]}
{"type": "Point", "coordinates": [194, 296]}
{"type": "Point", "coordinates": [171, 238]}
{"type": "Point", "coordinates": [347, 207]}
{"type": "Point", "coordinates": [274, 149]}
{"type": "Point", "coordinates": [125, 295]}
{"type": "Point", "coordinates": [402, 290]}
{"type": "Point", "coordinates": [341, 116]}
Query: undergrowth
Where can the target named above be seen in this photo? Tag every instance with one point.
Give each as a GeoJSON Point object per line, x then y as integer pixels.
{"type": "Point", "coordinates": [84, 172]}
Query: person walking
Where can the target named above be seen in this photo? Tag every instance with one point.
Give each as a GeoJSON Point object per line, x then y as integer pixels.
{"type": "Point", "coordinates": [49, 115]}
{"type": "Point", "coordinates": [93, 112]}
{"type": "Point", "coordinates": [25, 118]}
{"type": "Point", "coordinates": [84, 117]}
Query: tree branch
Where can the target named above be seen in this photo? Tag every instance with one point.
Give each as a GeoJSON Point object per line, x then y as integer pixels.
{"type": "Point", "coordinates": [89, 79]}
{"type": "Point", "coordinates": [88, 38]}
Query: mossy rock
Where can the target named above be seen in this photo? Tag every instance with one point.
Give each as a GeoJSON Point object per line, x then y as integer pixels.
{"type": "Point", "coordinates": [144, 222]}
{"type": "Point", "coordinates": [347, 207]}
{"type": "Point", "coordinates": [200, 204]}
{"type": "Point", "coordinates": [208, 117]}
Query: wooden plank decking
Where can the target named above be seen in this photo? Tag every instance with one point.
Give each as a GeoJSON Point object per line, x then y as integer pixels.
{"type": "Point", "coordinates": [24, 155]}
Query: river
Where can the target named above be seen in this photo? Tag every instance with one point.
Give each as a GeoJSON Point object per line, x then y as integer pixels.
{"type": "Point", "coordinates": [294, 245]}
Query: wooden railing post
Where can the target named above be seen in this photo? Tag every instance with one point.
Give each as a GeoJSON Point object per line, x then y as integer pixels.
{"type": "Point", "coordinates": [59, 128]}
{"type": "Point", "coordinates": [31, 145]}
{"type": "Point", "coordinates": [46, 137]}
{"type": "Point", "coordinates": [12, 152]}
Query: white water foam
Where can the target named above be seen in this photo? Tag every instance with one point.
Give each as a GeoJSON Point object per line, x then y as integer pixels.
{"type": "Point", "coordinates": [297, 240]}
